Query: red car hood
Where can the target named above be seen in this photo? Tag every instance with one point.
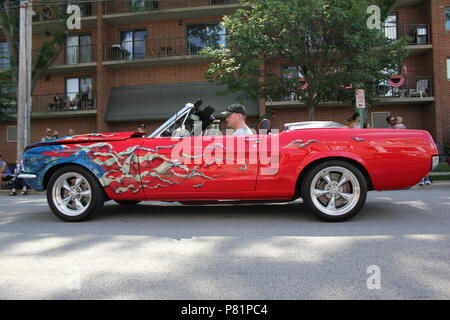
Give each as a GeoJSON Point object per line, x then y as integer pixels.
{"type": "Point", "coordinates": [90, 137]}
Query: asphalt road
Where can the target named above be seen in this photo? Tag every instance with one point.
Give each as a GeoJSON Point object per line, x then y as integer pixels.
{"type": "Point", "coordinates": [398, 247]}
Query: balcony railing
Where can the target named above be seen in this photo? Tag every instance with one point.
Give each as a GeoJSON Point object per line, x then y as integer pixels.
{"type": "Point", "coordinates": [162, 47]}
{"type": "Point", "coordinates": [46, 12]}
{"type": "Point", "coordinates": [60, 102]}
{"type": "Point", "coordinates": [71, 55]}
{"type": "Point", "coordinates": [418, 34]}
{"type": "Point", "coordinates": [120, 6]}
{"type": "Point", "coordinates": [412, 87]}
{"type": "Point", "coordinates": [79, 54]}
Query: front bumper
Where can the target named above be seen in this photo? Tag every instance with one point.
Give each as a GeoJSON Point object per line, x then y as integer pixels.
{"type": "Point", "coordinates": [27, 176]}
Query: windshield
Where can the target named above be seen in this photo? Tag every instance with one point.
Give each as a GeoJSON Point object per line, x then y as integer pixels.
{"type": "Point", "coordinates": [189, 121]}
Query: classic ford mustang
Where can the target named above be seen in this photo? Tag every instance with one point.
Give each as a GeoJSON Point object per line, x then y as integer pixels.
{"type": "Point", "coordinates": [328, 165]}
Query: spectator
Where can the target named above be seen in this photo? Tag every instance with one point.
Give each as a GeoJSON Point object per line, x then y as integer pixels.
{"type": "Point", "coordinates": [59, 102]}
{"type": "Point", "coordinates": [399, 124]}
{"type": "Point", "coordinates": [18, 182]}
{"type": "Point", "coordinates": [4, 170]}
{"type": "Point", "coordinates": [70, 133]}
{"type": "Point", "coordinates": [86, 89]}
{"type": "Point", "coordinates": [354, 121]}
{"type": "Point", "coordinates": [425, 180]}
{"type": "Point", "coordinates": [50, 135]}
{"type": "Point", "coordinates": [141, 128]}
{"type": "Point", "coordinates": [391, 122]}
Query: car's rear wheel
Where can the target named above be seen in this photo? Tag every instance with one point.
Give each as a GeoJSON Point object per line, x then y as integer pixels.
{"type": "Point", "coordinates": [334, 190]}
{"type": "Point", "coordinates": [74, 194]}
{"type": "Point", "coordinates": [126, 203]}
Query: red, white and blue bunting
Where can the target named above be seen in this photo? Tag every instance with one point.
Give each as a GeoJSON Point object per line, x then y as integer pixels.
{"type": "Point", "coordinates": [397, 83]}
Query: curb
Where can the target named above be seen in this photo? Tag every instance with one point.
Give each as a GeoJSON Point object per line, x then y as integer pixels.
{"type": "Point", "coordinates": [436, 185]}
{"type": "Point", "coordinates": [30, 193]}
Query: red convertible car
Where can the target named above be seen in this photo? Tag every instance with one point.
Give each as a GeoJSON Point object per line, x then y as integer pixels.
{"type": "Point", "coordinates": [328, 165]}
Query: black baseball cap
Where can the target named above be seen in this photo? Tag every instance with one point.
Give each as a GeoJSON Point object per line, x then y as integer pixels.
{"type": "Point", "coordinates": [234, 108]}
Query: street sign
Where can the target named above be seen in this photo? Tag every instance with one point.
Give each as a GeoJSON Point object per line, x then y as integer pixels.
{"type": "Point", "coordinates": [360, 99]}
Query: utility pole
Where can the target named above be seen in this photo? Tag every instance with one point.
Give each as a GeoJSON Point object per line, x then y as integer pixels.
{"type": "Point", "coordinates": [24, 79]}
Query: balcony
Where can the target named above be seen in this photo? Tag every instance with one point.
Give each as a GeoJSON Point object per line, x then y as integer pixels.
{"type": "Point", "coordinates": [409, 90]}
{"type": "Point", "coordinates": [47, 15]}
{"type": "Point", "coordinates": [63, 104]}
{"type": "Point", "coordinates": [74, 58]}
{"type": "Point", "coordinates": [419, 36]}
{"type": "Point", "coordinates": [160, 51]}
{"type": "Point", "coordinates": [136, 11]}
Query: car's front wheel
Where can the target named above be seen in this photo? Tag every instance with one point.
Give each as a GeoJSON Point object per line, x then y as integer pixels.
{"type": "Point", "coordinates": [74, 194]}
{"type": "Point", "coordinates": [335, 190]}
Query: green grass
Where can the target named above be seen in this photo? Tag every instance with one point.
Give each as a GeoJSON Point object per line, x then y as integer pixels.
{"type": "Point", "coordinates": [443, 167]}
{"type": "Point", "coordinates": [440, 178]}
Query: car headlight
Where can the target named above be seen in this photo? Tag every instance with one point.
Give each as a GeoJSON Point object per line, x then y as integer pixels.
{"type": "Point", "coordinates": [435, 162]}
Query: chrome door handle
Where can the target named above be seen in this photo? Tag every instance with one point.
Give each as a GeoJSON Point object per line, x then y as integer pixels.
{"type": "Point", "coordinates": [256, 140]}
{"type": "Point", "coordinates": [359, 139]}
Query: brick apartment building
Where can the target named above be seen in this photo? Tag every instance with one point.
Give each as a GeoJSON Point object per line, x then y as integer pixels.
{"type": "Point", "coordinates": [137, 62]}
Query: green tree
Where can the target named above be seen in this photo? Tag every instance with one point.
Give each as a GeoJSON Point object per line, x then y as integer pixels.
{"type": "Point", "coordinates": [43, 57]}
{"type": "Point", "coordinates": [328, 39]}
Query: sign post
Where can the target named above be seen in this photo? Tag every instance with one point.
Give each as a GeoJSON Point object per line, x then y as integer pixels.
{"type": "Point", "coordinates": [360, 105]}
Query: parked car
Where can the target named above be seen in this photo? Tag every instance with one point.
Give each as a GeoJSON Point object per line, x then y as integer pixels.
{"type": "Point", "coordinates": [328, 165]}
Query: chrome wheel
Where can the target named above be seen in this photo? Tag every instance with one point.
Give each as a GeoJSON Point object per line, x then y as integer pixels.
{"type": "Point", "coordinates": [335, 190]}
{"type": "Point", "coordinates": [71, 194]}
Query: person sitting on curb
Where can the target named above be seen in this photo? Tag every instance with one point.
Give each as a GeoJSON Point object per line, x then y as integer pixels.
{"type": "Point", "coordinates": [4, 170]}
{"type": "Point", "coordinates": [18, 182]}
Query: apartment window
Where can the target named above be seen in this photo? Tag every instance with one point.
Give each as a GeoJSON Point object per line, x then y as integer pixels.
{"type": "Point", "coordinates": [78, 49]}
{"type": "Point", "coordinates": [391, 27]}
{"type": "Point", "coordinates": [290, 72]}
{"type": "Point", "coordinates": [200, 36]}
{"type": "Point", "coordinates": [447, 18]}
{"type": "Point", "coordinates": [4, 56]}
{"type": "Point", "coordinates": [11, 134]}
{"type": "Point", "coordinates": [134, 43]}
{"type": "Point", "coordinates": [79, 93]}
{"type": "Point", "coordinates": [141, 5]}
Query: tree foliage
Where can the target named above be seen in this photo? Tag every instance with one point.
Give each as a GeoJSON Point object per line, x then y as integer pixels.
{"type": "Point", "coordinates": [43, 57]}
{"type": "Point", "coordinates": [328, 39]}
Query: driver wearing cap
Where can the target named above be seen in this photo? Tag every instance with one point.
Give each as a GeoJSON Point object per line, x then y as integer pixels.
{"type": "Point", "coordinates": [235, 116]}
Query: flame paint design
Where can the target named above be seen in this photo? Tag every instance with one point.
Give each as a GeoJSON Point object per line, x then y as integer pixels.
{"type": "Point", "coordinates": [121, 169]}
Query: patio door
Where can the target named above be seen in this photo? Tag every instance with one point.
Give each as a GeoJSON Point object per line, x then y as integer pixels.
{"type": "Point", "coordinates": [391, 27]}
{"type": "Point", "coordinates": [78, 49]}
{"type": "Point", "coordinates": [74, 96]}
{"type": "Point", "coordinates": [134, 43]}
